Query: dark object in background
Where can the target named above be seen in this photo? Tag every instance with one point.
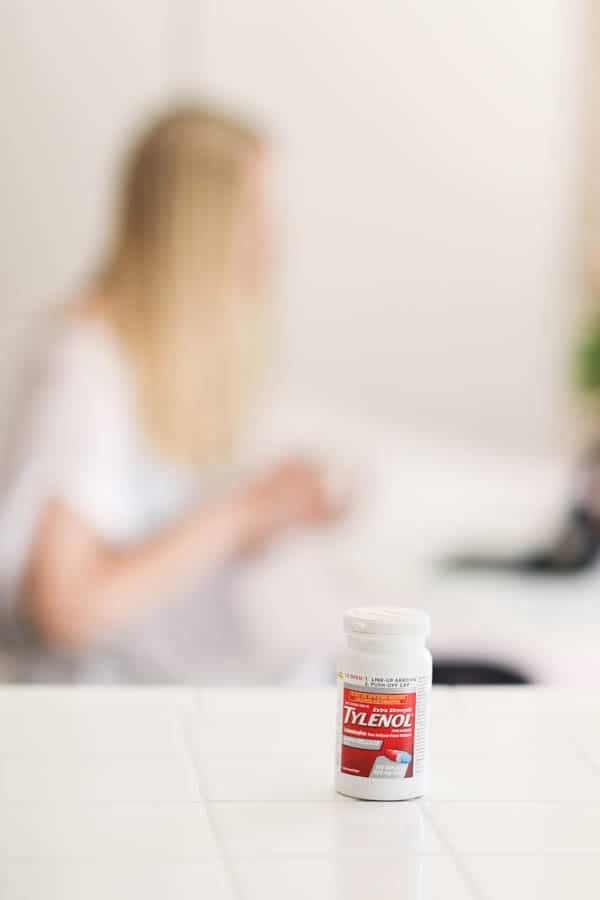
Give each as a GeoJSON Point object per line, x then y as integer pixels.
{"type": "Point", "coordinates": [463, 671]}
{"type": "Point", "coordinates": [576, 548]}
{"type": "Point", "coordinates": [577, 545]}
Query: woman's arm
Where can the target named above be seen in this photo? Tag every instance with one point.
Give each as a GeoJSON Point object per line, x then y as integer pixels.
{"type": "Point", "coordinates": [78, 588]}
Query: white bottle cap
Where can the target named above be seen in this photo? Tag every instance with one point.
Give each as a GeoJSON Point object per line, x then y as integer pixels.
{"type": "Point", "coordinates": [387, 620]}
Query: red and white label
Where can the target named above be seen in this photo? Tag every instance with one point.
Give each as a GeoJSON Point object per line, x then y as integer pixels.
{"type": "Point", "coordinates": [377, 733]}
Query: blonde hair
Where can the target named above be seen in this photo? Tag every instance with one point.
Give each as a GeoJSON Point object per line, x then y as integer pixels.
{"type": "Point", "coordinates": [173, 288]}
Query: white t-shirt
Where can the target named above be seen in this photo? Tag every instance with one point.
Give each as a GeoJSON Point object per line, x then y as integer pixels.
{"type": "Point", "coordinates": [76, 437]}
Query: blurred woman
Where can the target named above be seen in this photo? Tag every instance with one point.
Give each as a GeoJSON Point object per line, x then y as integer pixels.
{"type": "Point", "coordinates": [118, 551]}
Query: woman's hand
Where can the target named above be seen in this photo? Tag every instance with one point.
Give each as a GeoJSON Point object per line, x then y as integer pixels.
{"type": "Point", "coordinates": [293, 494]}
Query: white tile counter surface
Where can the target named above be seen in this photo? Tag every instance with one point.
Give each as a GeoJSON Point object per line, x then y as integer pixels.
{"type": "Point", "coordinates": [227, 795]}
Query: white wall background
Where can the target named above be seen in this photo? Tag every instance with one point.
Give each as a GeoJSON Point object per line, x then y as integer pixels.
{"type": "Point", "coordinates": [430, 165]}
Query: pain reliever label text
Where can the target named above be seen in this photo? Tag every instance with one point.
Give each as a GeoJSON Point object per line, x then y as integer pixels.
{"type": "Point", "coordinates": [376, 732]}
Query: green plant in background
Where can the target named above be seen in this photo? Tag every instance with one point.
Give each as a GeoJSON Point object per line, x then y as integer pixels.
{"type": "Point", "coordinates": [588, 358]}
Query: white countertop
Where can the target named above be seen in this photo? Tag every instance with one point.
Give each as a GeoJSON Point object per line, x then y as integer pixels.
{"type": "Point", "coordinates": [227, 795]}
